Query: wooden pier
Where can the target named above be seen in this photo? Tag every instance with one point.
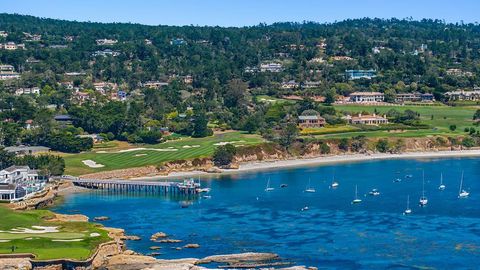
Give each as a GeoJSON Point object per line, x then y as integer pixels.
{"type": "Point", "coordinates": [187, 187]}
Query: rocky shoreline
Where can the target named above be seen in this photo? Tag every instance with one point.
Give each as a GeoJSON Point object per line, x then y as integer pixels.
{"type": "Point", "coordinates": [114, 255]}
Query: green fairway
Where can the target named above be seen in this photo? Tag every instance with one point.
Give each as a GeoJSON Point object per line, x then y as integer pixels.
{"type": "Point", "coordinates": [73, 240]}
{"type": "Point", "coordinates": [185, 148]}
{"type": "Point", "coordinates": [439, 118]}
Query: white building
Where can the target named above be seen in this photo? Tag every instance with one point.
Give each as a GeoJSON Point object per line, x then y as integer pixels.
{"type": "Point", "coordinates": [271, 67]}
{"type": "Point", "coordinates": [27, 91]}
{"type": "Point", "coordinates": [18, 181]}
{"type": "Point", "coordinates": [106, 42]}
{"type": "Point", "coordinates": [11, 46]}
{"type": "Point", "coordinates": [7, 72]}
{"type": "Point", "coordinates": [366, 97]}
{"type": "Point", "coordinates": [3, 34]}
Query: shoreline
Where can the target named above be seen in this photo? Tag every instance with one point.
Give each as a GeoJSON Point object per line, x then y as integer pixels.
{"type": "Point", "coordinates": [305, 162]}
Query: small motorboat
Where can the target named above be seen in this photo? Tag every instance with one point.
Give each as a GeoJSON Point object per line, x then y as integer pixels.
{"type": "Point", "coordinates": [305, 208]}
{"type": "Point", "coordinates": [207, 196]}
{"type": "Point", "coordinates": [408, 176]}
{"type": "Point", "coordinates": [396, 180]}
{"type": "Point", "coordinates": [374, 192]}
{"type": "Point", "coordinates": [334, 185]}
{"type": "Point", "coordinates": [283, 185]}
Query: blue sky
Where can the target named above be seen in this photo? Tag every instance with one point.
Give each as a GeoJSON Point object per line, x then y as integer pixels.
{"type": "Point", "coordinates": [241, 12]}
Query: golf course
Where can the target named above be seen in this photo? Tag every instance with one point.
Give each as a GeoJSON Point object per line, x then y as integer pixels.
{"type": "Point", "coordinates": [31, 232]}
{"type": "Point", "coordinates": [129, 156]}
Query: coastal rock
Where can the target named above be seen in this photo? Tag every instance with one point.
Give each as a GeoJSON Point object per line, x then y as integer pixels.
{"type": "Point", "coordinates": [15, 264]}
{"type": "Point", "coordinates": [101, 218]}
{"type": "Point", "coordinates": [157, 235]}
{"type": "Point", "coordinates": [132, 238]}
{"type": "Point", "coordinates": [169, 241]}
{"type": "Point", "coordinates": [155, 247]}
{"type": "Point", "coordinates": [241, 257]}
{"type": "Point", "coordinates": [154, 254]}
{"type": "Point", "coordinates": [191, 246]}
{"type": "Point", "coordinates": [69, 218]}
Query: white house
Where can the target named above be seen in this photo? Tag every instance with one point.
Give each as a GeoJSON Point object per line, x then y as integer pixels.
{"type": "Point", "coordinates": [106, 42]}
{"type": "Point", "coordinates": [18, 181]}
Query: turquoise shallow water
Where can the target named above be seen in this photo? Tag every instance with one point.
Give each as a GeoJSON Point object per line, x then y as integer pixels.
{"type": "Point", "coordinates": [333, 234]}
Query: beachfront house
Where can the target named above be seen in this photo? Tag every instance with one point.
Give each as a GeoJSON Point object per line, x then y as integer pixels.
{"type": "Point", "coordinates": [311, 119]}
{"type": "Point", "coordinates": [367, 97]}
{"type": "Point", "coordinates": [18, 181]}
{"type": "Point", "coordinates": [372, 120]}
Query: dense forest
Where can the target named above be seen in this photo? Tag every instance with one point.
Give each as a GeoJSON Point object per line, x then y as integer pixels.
{"type": "Point", "coordinates": [212, 75]}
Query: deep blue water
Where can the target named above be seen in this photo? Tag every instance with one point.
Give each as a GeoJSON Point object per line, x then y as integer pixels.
{"type": "Point", "coordinates": [333, 234]}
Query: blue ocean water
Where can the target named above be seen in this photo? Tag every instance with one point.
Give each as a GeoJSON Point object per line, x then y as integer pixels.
{"type": "Point", "coordinates": [332, 234]}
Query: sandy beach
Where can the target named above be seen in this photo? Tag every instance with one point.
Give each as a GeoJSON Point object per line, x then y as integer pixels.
{"type": "Point", "coordinates": [289, 163]}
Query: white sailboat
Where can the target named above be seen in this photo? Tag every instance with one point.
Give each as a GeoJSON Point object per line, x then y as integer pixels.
{"type": "Point", "coordinates": [268, 188]}
{"type": "Point", "coordinates": [408, 211]}
{"type": "Point", "coordinates": [461, 192]}
{"type": "Point", "coordinates": [442, 186]}
{"type": "Point", "coordinates": [334, 183]}
{"type": "Point", "coordinates": [374, 192]}
{"type": "Point", "coordinates": [423, 200]}
{"type": "Point", "coordinates": [309, 187]}
{"type": "Point", "coordinates": [356, 200]}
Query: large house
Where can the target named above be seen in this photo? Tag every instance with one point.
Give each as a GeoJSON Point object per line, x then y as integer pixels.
{"type": "Point", "coordinates": [360, 74]}
{"type": "Point", "coordinates": [271, 67]}
{"type": "Point", "coordinates": [11, 46]}
{"type": "Point", "coordinates": [105, 53]}
{"type": "Point", "coordinates": [18, 181]}
{"type": "Point", "coordinates": [154, 84]}
{"type": "Point", "coordinates": [27, 91]}
{"type": "Point", "coordinates": [311, 121]}
{"type": "Point", "coordinates": [463, 95]}
{"type": "Point", "coordinates": [106, 42]}
{"type": "Point", "coordinates": [290, 84]}
{"type": "Point", "coordinates": [7, 72]}
{"type": "Point", "coordinates": [360, 119]}
{"type": "Point", "coordinates": [414, 97]}
{"type": "Point", "coordinates": [26, 150]}
{"type": "Point", "coordinates": [366, 97]}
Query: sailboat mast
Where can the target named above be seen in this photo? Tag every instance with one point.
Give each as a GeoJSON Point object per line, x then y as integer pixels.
{"type": "Point", "coordinates": [408, 201]}
{"type": "Point", "coordinates": [461, 184]}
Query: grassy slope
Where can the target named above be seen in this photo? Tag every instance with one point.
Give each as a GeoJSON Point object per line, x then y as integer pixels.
{"type": "Point", "coordinates": [115, 160]}
{"type": "Point", "coordinates": [41, 244]}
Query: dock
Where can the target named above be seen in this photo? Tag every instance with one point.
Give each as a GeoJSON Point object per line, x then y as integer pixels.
{"type": "Point", "coordinates": [187, 187]}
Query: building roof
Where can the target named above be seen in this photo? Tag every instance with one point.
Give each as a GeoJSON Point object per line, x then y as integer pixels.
{"type": "Point", "coordinates": [27, 148]}
{"type": "Point", "coordinates": [4, 186]}
{"type": "Point", "coordinates": [366, 94]}
{"type": "Point", "coordinates": [16, 168]}
{"type": "Point", "coordinates": [63, 117]}
{"type": "Point", "coordinates": [310, 117]}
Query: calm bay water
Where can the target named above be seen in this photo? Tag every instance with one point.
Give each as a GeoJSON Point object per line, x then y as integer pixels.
{"type": "Point", "coordinates": [333, 234]}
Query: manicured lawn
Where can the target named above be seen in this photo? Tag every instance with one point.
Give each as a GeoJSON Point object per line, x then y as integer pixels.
{"type": "Point", "coordinates": [439, 118]}
{"type": "Point", "coordinates": [185, 148]}
{"type": "Point", "coordinates": [46, 245]}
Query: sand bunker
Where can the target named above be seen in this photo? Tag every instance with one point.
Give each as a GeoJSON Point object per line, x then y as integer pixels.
{"type": "Point", "coordinates": [67, 240]}
{"type": "Point", "coordinates": [148, 149]}
{"type": "Point", "coordinates": [225, 143]}
{"type": "Point", "coordinates": [101, 152]}
{"type": "Point", "coordinates": [92, 164]}
{"type": "Point", "coordinates": [4, 241]}
{"type": "Point", "coordinates": [94, 234]}
{"type": "Point", "coordinates": [190, 146]}
{"type": "Point", "coordinates": [140, 155]}
{"type": "Point", "coordinates": [36, 229]}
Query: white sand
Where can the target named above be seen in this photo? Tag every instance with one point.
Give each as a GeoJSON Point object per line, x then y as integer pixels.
{"type": "Point", "coordinates": [225, 143]}
{"type": "Point", "coordinates": [92, 164]}
{"type": "Point", "coordinates": [94, 234]}
{"type": "Point", "coordinates": [4, 241]}
{"type": "Point", "coordinates": [190, 146]}
{"type": "Point", "coordinates": [148, 149]}
{"type": "Point", "coordinates": [266, 165]}
{"type": "Point", "coordinates": [67, 240]}
{"type": "Point", "coordinates": [101, 152]}
{"type": "Point", "coordinates": [140, 155]}
{"type": "Point", "coordinates": [35, 230]}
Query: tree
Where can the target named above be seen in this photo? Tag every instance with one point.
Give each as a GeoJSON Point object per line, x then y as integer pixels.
{"type": "Point", "coordinates": [6, 158]}
{"type": "Point", "coordinates": [468, 142]}
{"type": "Point", "coordinates": [476, 116]}
{"type": "Point", "coordinates": [344, 144]}
{"type": "Point", "coordinates": [359, 143]}
{"type": "Point", "coordinates": [452, 127]}
{"type": "Point", "coordinates": [235, 93]}
{"type": "Point", "coordinates": [330, 96]}
{"type": "Point", "coordinates": [382, 146]}
{"type": "Point", "coordinates": [288, 134]}
{"type": "Point", "coordinates": [251, 124]}
{"type": "Point", "coordinates": [200, 128]}
{"type": "Point", "coordinates": [224, 155]}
